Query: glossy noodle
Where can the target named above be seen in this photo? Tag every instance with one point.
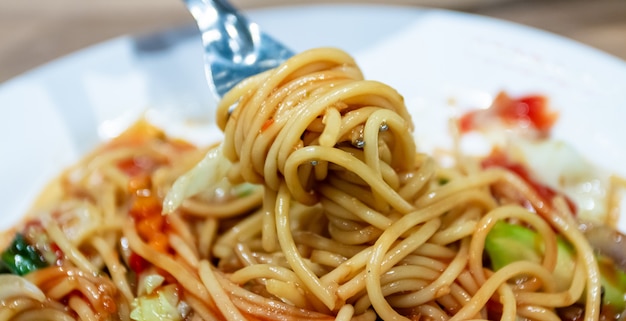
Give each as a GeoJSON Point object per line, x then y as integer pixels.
{"type": "Point", "coordinates": [316, 205]}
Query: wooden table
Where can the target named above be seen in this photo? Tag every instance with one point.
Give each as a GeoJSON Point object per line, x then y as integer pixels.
{"type": "Point", "coordinates": [33, 32]}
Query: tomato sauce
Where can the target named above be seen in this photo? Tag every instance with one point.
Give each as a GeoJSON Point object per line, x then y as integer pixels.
{"type": "Point", "coordinates": [528, 112]}
{"type": "Point", "coordinates": [546, 193]}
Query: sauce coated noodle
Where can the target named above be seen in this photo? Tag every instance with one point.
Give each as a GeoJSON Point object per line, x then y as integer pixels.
{"type": "Point", "coordinates": [318, 207]}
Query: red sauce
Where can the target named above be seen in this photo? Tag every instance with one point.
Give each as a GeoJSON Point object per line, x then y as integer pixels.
{"type": "Point", "coordinates": [267, 124]}
{"type": "Point", "coordinates": [528, 112]}
{"type": "Point", "coordinates": [58, 253]}
{"type": "Point", "coordinates": [546, 193]}
{"type": "Point", "coordinates": [137, 263]}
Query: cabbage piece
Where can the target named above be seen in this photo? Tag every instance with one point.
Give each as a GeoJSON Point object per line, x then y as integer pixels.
{"type": "Point", "coordinates": [149, 283]}
{"type": "Point", "coordinates": [14, 286]}
{"type": "Point", "coordinates": [562, 167]}
{"type": "Point", "coordinates": [162, 305]}
{"type": "Point", "coordinates": [207, 173]}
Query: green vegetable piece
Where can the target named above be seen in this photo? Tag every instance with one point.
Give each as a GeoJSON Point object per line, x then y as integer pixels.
{"type": "Point", "coordinates": [22, 258]}
{"type": "Point", "coordinates": [507, 243]}
{"type": "Point", "coordinates": [4, 269]}
{"type": "Point", "coordinates": [244, 189]}
{"type": "Point", "coordinates": [613, 281]}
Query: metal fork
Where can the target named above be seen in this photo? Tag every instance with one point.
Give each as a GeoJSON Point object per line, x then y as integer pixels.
{"type": "Point", "coordinates": [234, 47]}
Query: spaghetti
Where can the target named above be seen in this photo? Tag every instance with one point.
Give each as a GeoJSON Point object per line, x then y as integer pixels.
{"type": "Point", "coordinates": [316, 206]}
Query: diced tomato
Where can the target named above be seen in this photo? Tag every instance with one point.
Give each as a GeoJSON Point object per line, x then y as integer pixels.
{"type": "Point", "coordinates": [146, 209]}
{"type": "Point", "coordinates": [139, 165]}
{"type": "Point", "coordinates": [469, 121]}
{"type": "Point", "coordinates": [528, 112]}
{"type": "Point", "coordinates": [159, 242]}
{"type": "Point", "coordinates": [149, 225]}
{"type": "Point", "coordinates": [534, 109]}
{"type": "Point", "coordinates": [143, 207]}
{"type": "Point", "coordinates": [546, 193]}
{"type": "Point", "coordinates": [139, 183]}
{"type": "Point", "coordinates": [137, 263]}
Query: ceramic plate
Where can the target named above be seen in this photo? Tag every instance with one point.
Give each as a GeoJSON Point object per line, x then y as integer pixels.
{"type": "Point", "coordinates": [58, 112]}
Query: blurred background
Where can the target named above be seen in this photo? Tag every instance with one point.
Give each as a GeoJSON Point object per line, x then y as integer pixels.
{"type": "Point", "coordinates": [33, 32]}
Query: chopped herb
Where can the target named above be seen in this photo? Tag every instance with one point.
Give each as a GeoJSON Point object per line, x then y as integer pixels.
{"type": "Point", "coordinates": [21, 257]}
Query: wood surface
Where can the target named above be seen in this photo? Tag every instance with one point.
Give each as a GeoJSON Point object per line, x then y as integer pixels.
{"type": "Point", "coordinates": [33, 32]}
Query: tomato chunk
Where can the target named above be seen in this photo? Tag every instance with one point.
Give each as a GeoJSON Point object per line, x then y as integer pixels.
{"type": "Point", "coordinates": [528, 112]}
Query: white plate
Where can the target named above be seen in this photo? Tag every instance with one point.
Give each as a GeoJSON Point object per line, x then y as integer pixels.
{"type": "Point", "coordinates": [56, 113]}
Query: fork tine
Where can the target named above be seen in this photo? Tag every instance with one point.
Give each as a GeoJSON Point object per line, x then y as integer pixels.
{"type": "Point", "coordinates": [234, 48]}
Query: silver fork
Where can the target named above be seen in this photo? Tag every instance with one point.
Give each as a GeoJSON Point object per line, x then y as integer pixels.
{"type": "Point", "coordinates": [234, 47]}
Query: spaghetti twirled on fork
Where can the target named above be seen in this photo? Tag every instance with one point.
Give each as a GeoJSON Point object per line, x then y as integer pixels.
{"type": "Point", "coordinates": [315, 206]}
